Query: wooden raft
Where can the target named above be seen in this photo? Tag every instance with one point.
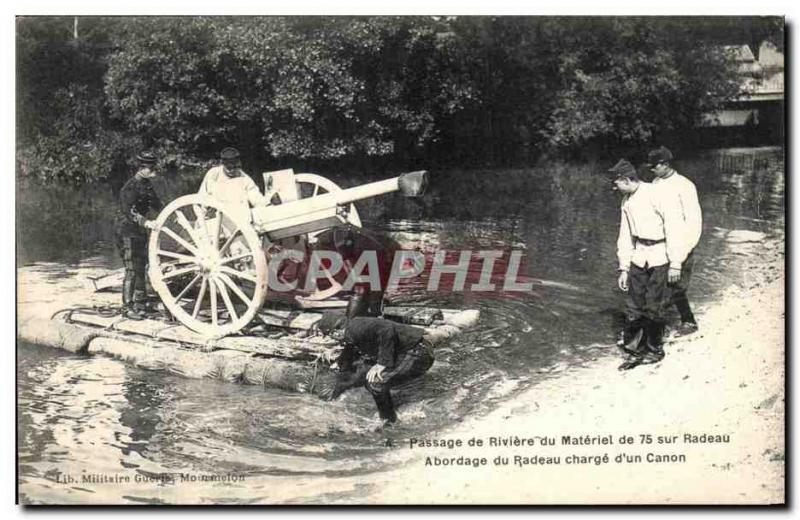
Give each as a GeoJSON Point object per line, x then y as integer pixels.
{"type": "Point", "coordinates": [290, 343]}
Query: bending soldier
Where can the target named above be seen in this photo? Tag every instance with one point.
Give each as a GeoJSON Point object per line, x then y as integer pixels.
{"type": "Point", "coordinates": [140, 199]}
{"type": "Point", "coordinates": [378, 354]}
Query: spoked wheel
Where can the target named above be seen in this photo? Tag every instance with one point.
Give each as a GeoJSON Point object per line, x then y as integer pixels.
{"type": "Point", "coordinates": [352, 244]}
{"type": "Point", "coordinates": [331, 284]}
{"type": "Point", "coordinates": [311, 185]}
{"type": "Point", "coordinates": [207, 266]}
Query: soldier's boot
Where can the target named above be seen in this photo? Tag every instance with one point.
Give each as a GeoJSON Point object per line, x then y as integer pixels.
{"type": "Point", "coordinates": [128, 286]}
{"type": "Point", "coordinates": [631, 340]}
{"type": "Point", "coordinates": [655, 344]}
{"type": "Point", "coordinates": [138, 309]}
{"type": "Point", "coordinates": [685, 328]}
{"type": "Point", "coordinates": [383, 400]}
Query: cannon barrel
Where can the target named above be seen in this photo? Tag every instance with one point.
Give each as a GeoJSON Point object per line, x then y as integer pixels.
{"type": "Point", "coordinates": [329, 209]}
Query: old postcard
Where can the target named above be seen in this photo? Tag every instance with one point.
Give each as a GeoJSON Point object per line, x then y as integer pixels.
{"type": "Point", "coordinates": [400, 260]}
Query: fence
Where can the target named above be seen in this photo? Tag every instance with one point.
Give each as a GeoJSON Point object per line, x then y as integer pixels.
{"type": "Point", "coordinates": [744, 160]}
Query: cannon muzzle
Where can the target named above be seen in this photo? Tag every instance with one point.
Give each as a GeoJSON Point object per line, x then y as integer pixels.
{"type": "Point", "coordinates": [413, 184]}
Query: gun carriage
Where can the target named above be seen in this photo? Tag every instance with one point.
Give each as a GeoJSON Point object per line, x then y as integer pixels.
{"type": "Point", "coordinates": [210, 262]}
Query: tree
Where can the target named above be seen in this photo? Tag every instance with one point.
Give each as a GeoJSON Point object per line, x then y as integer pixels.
{"type": "Point", "coordinates": [575, 82]}
{"type": "Point", "coordinates": [61, 125]}
{"type": "Point", "coordinates": [299, 87]}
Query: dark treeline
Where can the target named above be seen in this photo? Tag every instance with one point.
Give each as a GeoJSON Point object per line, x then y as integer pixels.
{"type": "Point", "coordinates": [377, 91]}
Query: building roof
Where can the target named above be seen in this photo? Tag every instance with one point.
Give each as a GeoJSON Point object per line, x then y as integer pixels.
{"type": "Point", "coordinates": [741, 53]}
{"type": "Point", "coordinates": [769, 56]}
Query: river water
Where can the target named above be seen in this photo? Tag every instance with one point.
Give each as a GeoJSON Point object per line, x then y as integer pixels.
{"type": "Point", "coordinates": [93, 416]}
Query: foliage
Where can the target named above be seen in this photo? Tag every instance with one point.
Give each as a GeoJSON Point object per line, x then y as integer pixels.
{"type": "Point", "coordinates": [466, 90]}
{"type": "Point", "coordinates": [61, 128]}
{"type": "Point", "coordinates": [629, 81]}
{"type": "Point", "coordinates": [285, 87]}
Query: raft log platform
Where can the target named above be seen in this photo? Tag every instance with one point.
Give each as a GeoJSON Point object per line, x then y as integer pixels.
{"type": "Point", "coordinates": [69, 312]}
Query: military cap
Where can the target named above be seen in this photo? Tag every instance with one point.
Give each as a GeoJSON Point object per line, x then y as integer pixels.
{"type": "Point", "coordinates": [623, 168]}
{"type": "Point", "coordinates": [330, 322]}
{"type": "Point", "coordinates": [229, 154]}
{"type": "Point", "coordinates": [146, 158]}
{"type": "Point", "coordinates": [659, 155]}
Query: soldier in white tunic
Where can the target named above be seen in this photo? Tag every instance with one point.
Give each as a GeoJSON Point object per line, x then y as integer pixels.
{"type": "Point", "coordinates": [231, 186]}
{"type": "Point", "coordinates": [680, 196]}
{"type": "Point", "coordinates": [647, 249]}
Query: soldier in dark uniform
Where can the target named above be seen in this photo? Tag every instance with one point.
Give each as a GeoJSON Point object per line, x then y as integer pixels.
{"type": "Point", "coordinates": [140, 199]}
{"type": "Point", "coordinates": [378, 354]}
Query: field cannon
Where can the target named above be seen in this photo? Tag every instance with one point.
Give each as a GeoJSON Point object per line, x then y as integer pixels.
{"type": "Point", "coordinates": [210, 263]}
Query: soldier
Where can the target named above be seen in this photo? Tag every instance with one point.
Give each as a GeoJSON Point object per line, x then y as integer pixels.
{"type": "Point", "coordinates": [680, 195]}
{"type": "Point", "coordinates": [647, 250]}
{"type": "Point", "coordinates": [228, 184]}
{"type": "Point", "coordinates": [140, 199]}
{"type": "Point", "coordinates": [378, 354]}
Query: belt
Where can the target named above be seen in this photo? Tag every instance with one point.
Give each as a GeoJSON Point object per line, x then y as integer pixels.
{"type": "Point", "coordinates": [648, 242]}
